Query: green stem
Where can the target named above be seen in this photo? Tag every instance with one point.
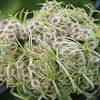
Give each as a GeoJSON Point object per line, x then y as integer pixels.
{"type": "Point", "coordinates": [40, 97]}
{"type": "Point", "coordinates": [20, 16]}
{"type": "Point", "coordinates": [25, 16]}
{"type": "Point", "coordinates": [95, 53]}
{"type": "Point", "coordinates": [20, 44]}
{"type": "Point", "coordinates": [30, 72]}
{"type": "Point", "coordinates": [16, 95]}
{"type": "Point", "coordinates": [80, 91]}
{"type": "Point", "coordinates": [68, 97]}
{"type": "Point", "coordinates": [57, 90]}
{"type": "Point", "coordinates": [87, 95]}
{"type": "Point", "coordinates": [33, 52]}
{"type": "Point", "coordinates": [8, 67]}
{"type": "Point", "coordinates": [91, 13]}
{"type": "Point", "coordinates": [89, 81]}
{"type": "Point", "coordinates": [65, 70]}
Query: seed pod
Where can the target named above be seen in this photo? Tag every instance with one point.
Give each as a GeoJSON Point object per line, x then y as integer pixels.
{"type": "Point", "coordinates": [35, 83]}
{"type": "Point", "coordinates": [20, 64]}
{"type": "Point", "coordinates": [11, 36]}
{"type": "Point", "coordinates": [13, 44]}
{"type": "Point", "coordinates": [31, 67]}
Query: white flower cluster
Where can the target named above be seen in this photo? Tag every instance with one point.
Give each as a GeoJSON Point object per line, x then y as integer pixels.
{"type": "Point", "coordinates": [56, 51]}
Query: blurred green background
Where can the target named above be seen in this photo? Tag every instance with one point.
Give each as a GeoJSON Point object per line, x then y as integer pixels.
{"type": "Point", "coordinates": [13, 6]}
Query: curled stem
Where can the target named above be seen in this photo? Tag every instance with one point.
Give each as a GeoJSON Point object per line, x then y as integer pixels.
{"type": "Point", "coordinates": [89, 81]}
{"type": "Point", "coordinates": [72, 81]}
{"type": "Point", "coordinates": [95, 53]}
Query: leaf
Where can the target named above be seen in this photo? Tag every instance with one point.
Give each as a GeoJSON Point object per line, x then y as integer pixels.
{"type": "Point", "coordinates": [40, 3]}
{"type": "Point", "coordinates": [25, 16]}
{"type": "Point", "coordinates": [34, 13]}
{"type": "Point", "coordinates": [10, 15]}
{"type": "Point", "coordinates": [90, 6]}
{"type": "Point", "coordinates": [20, 16]}
{"type": "Point", "coordinates": [16, 14]}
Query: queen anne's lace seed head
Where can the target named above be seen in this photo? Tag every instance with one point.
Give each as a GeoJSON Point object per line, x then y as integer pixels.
{"type": "Point", "coordinates": [35, 83]}
{"type": "Point", "coordinates": [19, 64]}
{"type": "Point", "coordinates": [1, 32]}
{"type": "Point", "coordinates": [13, 44]}
{"type": "Point", "coordinates": [31, 67]}
{"type": "Point", "coordinates": [56, 50]}
{"type": "Point", "coordinates": [11, 36]}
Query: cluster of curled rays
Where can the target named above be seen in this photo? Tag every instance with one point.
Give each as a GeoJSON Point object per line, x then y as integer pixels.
{"type": "Point", "coordinates": [56, 51]}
